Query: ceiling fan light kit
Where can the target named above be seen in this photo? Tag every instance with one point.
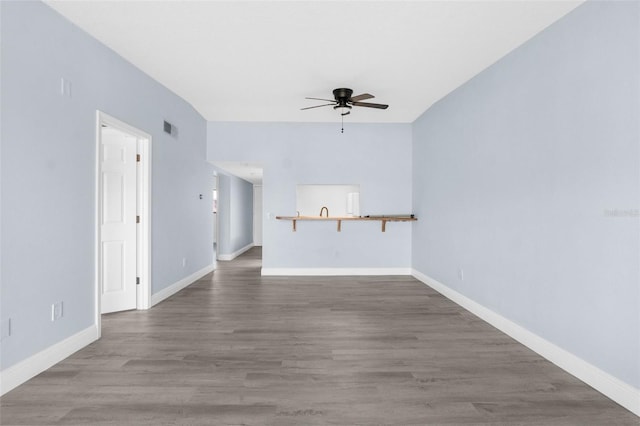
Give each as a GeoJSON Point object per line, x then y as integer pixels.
{"type": "Point", "coordinates": [344, 101]}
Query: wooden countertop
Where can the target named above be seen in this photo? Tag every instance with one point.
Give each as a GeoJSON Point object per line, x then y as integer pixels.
{"type": "Point", "coordinates": [382, 218]}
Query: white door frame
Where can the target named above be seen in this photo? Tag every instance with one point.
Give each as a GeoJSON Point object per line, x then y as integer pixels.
{"type": "Point", "coordinates": [257, 215]}
{"type": "Point", "coordinates": [216, 215]}
{"type": "Point", "coordinates": [143, 260]}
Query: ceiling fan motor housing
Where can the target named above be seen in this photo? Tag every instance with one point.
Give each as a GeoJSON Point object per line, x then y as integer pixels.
{"type": "Point", "coordinates": [342, 96]}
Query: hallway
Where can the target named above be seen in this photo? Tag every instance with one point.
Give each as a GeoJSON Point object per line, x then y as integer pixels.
{"type": "Point", "coordinates": [237, 348]}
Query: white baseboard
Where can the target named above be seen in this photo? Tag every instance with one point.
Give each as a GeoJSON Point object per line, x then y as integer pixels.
{"type": "Point", "coordinates": [176, 287]}
{"type": "Point", "coordinates": [235, 253]}
{"type": "Point", "coordinates": [624, 394]}
{"type": "Point", "coordinates": [19, 373]}
{"type": "Point", "coordinates": [334, 271]}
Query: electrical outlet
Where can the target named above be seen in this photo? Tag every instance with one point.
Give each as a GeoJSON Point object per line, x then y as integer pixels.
{"type": "Point", "coordinates": [5, 328]}
{"type": "Point", "coordinates": [461, 274]}
{"type": "Point", "coordinates": [184, 262]}
{"type": "Point", "coordinates": [56, 311]}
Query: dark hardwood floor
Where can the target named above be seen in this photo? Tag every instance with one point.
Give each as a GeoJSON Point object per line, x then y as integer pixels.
{"type": "Point", "coordinates": [236, 348]}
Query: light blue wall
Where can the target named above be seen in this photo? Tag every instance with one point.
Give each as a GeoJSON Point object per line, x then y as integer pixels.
{"type": "Point", "coordinates": [235, 210]}
{"type": "Point", "coordinates": [514, 173]}
{"type": "Point", "coordinates": [224, 214]}
{"type": "Point", "coordinates": [376, 156]}
{"type": "Point", "coordinates": [48, 174]}
{"type": "Point", "coordinates": [241, 214]}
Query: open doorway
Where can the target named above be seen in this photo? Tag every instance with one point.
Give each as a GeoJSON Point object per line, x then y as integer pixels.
{"type": "Point", "coordinates": [240, 208]}
{"type": "Point", "coordinates": [123, 180]}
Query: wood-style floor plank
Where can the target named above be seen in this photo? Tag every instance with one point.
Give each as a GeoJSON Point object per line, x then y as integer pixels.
{"type": "Point", "coordinates": [236, 348]}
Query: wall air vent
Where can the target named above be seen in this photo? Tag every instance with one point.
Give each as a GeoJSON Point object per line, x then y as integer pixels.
{"type": "Point", "coordinates": [170, 128]}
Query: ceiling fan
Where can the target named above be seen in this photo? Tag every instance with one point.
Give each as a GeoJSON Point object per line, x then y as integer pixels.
{"type": "Point", "coordinates": [344, 101]}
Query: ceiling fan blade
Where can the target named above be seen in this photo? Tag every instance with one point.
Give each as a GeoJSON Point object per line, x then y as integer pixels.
{"type": "Point", "coordinates": [369, 105]}
{"type": "Point", "coordinates": [317, 106]}
{"type": "Point", "coordinates": [320, 99]}
{"type": "Point", "coordinates": [361, 97]}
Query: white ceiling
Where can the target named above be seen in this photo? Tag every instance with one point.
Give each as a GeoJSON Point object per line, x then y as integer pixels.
{"type": "Point", "coordinates": [256, 61]}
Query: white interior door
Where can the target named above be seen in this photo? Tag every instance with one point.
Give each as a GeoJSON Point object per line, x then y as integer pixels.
{"type": "Point", "coordinates": [118, 220]}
